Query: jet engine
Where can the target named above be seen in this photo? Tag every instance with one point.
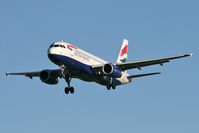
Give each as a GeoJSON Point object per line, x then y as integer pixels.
{"type": "Point", "coordinates": [111, 70]}
{"type": "Point", "coordinates": [49, 77]}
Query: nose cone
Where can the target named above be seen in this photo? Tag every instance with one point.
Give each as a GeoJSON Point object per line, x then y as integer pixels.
{"type": "Point", "coordinates": [53, 57]}
{"type": "Point", "coordinates": [51, 54]}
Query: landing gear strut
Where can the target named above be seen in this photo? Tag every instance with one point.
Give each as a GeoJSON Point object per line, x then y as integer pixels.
{"type": "Point", "coordinates": [69, 89]}
{"type": "Point", "coordinates": [67, 77]}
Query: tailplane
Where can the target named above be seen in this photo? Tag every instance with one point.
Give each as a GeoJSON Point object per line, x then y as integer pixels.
{"type": "Point", "coordinates": [142, 75]}
{"type": "Point", "coordinates": [123, 52]}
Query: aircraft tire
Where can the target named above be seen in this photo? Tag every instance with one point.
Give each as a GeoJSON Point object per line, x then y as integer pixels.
{"type": "Point", "coordinates": [113, 86]}
{"type": "Point", "coordinates": [67, 90]}
{"type": "Point", "coordinates": [108, 87]}
{"type": "Point", "coordinates": [72, 90]}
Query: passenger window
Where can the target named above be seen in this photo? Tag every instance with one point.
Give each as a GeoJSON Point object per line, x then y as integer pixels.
{"type": "Point", "coordinates": [56, 45]}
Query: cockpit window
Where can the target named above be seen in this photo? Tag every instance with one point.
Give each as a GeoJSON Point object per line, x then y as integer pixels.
{"type": "Point", "coordinates": [57, 45]}
{"type": "Point", "coordinates": [62, 46]}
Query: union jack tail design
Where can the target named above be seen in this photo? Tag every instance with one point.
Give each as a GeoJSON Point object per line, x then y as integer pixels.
{"type": "Point", "coordinates": [123, 52]}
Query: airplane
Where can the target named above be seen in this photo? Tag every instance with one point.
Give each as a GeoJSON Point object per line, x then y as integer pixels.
{"type": "Point", "coordinates": [76, 63]}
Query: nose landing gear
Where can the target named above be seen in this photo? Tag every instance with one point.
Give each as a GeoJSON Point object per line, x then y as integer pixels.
{"type": "Point", "coordinates": [67, 78]}
{"type": "Point", "coordinates": [69, 89]}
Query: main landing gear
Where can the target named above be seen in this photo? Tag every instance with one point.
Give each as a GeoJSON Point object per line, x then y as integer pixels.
{"type": "Point", "coordinates": [69, 89]}
{"type": "Point", "coordinates": [109, 86]}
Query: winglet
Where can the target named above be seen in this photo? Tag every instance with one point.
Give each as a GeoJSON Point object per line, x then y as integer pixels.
{"type": "Point", "coordinates": [7, 73]}
{"type": "Point", "coordinates": [186, 55]}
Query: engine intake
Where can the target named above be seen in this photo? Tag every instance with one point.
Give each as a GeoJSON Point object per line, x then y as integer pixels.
{"type": "Point", "coordinates": [111, 70]}
{"type": "Point", "coordinates": [49, 77]}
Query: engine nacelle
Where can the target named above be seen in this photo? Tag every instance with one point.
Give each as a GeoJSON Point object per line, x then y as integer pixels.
{"type": "Point", "coordinates": [49, 77]}
{"type": "Point", "coordinates": [112, 71]}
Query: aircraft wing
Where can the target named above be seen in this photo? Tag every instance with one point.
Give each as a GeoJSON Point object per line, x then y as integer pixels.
{"type": "Point", "coordinates": [140, 64]}
{"type": "Point", "coordinates": [27, 74]}
{"type": "Point", "coordinates": [35, 74]}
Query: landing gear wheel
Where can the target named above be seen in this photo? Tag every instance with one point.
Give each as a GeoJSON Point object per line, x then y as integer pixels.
{"type": "Point", "coordinates": [67, 90]}
{"type": "Point", "coordinates": [72, 90]}
{"type": "Point", "coordinates": [108, 87]}
{"type": "Point", "coordinates": [113, 86]}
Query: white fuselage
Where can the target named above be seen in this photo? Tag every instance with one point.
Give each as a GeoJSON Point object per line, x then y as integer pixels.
{"type": "Point", "coordinates": [78, 63]}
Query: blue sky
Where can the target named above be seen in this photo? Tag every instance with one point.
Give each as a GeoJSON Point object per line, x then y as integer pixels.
{"type": "Point", "coordinates": [163, 103]}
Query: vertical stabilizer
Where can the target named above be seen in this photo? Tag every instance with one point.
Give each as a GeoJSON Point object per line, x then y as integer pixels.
{"type": "Point", "coordinates": [123, 52]}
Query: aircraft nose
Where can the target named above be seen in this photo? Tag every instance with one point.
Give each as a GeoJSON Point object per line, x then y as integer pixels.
{"type": "Point", "coordinates": [51, 51]}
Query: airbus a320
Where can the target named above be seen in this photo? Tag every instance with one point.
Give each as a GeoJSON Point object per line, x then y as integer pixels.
{"type": "Point", "coordinates": [76, 63]}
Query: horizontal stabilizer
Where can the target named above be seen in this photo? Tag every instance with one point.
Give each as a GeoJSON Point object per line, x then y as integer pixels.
{"type": "Point", "coordinates": [142, 75]}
